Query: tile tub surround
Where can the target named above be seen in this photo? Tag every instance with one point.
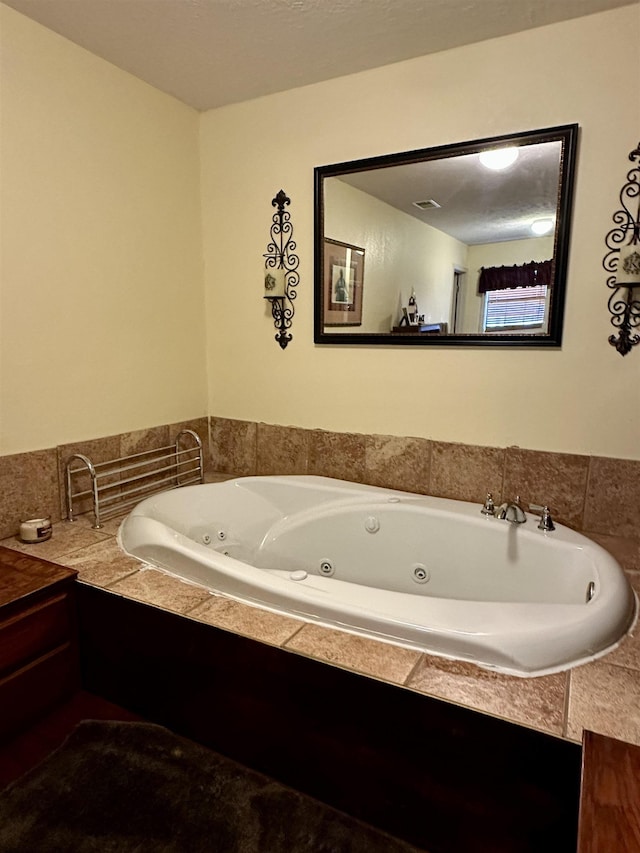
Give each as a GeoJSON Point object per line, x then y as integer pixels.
{"type": "Point", "coordinates": [603, 696]}
{"type": "Point", "coordinates": [597, 496]}
{"type": "Point", "coordinates": [33, 484]}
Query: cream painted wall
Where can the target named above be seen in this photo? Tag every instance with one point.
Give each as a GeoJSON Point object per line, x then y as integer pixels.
{"type": "Point", "coordinates": [102, 326]}
{"type": "Point", "coordinates": [402, 254]}
{"type": "Point", "coordinates": [582, 398]}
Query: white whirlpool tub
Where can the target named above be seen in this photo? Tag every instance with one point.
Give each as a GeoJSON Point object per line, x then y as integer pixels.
{"type": "Point", "coordinates": [426, 573]}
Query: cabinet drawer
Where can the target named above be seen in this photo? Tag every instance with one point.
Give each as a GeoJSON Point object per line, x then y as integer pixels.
{"type": "Point", "coordinates": [31, 691]}
{"type": "Point", "coordinates": [33, 632]}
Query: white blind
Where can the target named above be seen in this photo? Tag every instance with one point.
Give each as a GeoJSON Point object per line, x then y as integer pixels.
{"type": "Point", "coordinates": [517, 308]}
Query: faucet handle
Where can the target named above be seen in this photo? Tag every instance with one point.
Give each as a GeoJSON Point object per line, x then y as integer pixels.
{"type": "Point", "coordinates": [489, 507]}
{"type": "Point", "coordinates": [546, 522]}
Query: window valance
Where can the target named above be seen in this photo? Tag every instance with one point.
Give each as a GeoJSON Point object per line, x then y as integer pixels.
{"type": "Point", "coordinates": [525, 275]}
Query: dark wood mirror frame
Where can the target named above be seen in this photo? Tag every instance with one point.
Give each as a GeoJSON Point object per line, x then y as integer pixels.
{"type": "Point", "coordinates": [567, 135]}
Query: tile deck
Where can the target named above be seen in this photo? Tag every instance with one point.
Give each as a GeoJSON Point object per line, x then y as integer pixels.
{"type": "Point", "coordinates": [603, 696]}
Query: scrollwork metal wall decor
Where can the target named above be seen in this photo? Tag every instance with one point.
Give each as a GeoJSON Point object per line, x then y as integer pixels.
{"type": "Point", "coordinates": [623, 262]}
{"type": "Point", "coordinates": [281, 256]}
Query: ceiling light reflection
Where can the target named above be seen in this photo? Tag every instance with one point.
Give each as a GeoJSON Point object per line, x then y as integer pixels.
{"type": "Point", "coordinates": [542, 226]}
{"type": "Point", "coordinates": [499, 158]}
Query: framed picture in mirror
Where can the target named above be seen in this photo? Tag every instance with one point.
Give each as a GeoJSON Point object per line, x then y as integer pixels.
{"type": "Point", "coordinates": [343, 283]}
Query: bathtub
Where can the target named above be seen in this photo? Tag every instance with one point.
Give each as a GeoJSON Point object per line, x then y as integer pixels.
{"type": "Point", "coordinates": [426, 573]}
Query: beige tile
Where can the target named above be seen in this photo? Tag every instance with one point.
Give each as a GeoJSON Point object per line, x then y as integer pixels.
{"type": "Point", "coordinates": [163, 590]}
{"type": "Point", "coordinates": [370, 657]}
{"type": "Point", "coordinates": [199, 425]}
{"type": "Point", "coordinates": [273, 628]}
{"type": "Point", "coordinates": [28, 489]}
{"type": "Point", "coordinates": [628, 652]}
{"type": "Point", "coordinates": [625, 550]}
{"type": "Point", "coordinates": [337, 454]}
{"type": "Point", "coordinates": [67, 538]}
{"type": "Point", "coordinates": [466, 472]}
{"type": "Point", "coordinates": [536, 702]}
{"type": "Point", "coordinates": [142, 440]}
{"type": "Point", "coordinates": [233, 446]}
{"type": "Point", "coordinates": [282, 450]}
{"type": "Point", "coordinates": [214, 477]}
{"type": "Point", "coordinates": [101, 564]}
{"type": "Point", "coordinates": [398, 463]}
{"type": "Point", "coordinates": [613, 497]}
{"type": "Point", "coordinates": [604, 699]}
{"type": "Point", "coordinates": [109, 527]}
{"type": "Point", "coordinates": [558, 480]}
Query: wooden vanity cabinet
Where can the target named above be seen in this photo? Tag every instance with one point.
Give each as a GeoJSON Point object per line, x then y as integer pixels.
{"type": "Point", "coordinates": [610, 796]}
{"type": "Point", "coordinates": [38, 638]}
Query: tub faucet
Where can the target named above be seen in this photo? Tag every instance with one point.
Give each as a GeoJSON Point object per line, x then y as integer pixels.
{"type": "Point", "coordinates": [512, 511]}
{"type": "Point", "coordinates": [546, 522]}
{"type": "Point", "coordinates": [489, 507]}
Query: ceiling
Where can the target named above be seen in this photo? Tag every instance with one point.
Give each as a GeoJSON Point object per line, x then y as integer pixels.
{"type": "Point", "coordinates": [476, 205]}
{"type": "Point", "coordinates": [209, 53]}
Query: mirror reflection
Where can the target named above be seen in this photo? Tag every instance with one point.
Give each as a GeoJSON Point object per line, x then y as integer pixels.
{"type": "Point", "coordinates": [459, 244]}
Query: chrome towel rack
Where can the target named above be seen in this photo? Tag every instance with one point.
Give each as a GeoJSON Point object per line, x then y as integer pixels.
{"type": "Point", "coordinates": [115, 485]}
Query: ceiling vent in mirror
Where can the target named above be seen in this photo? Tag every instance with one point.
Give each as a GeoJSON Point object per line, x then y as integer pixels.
{"type": "Point", "coordinates": [427, 204]}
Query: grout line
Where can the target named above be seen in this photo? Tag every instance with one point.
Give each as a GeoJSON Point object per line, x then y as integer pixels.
{"type": "Point", "coordinates": [283, 644]}
{"type": "Point", "coordinates": [256, 451]}
{"type": "Point", "coordinates": [415, 667]}
{"type": "Point", "coordinates": [199, 603]}
{"type": "Point", "coordinates": [585, 494]}
{"type": "Point", "coordinates": [307, 439]}
{"type": "Point", "coordinates": [111, 584]}
{"type": "Point", "coordinates": [430, 464]}
{"type": "Point", "coordinates": [195, 607]}
{"type": "Point", "coordinates": [630, 669]}
{"type": "Point", "coordinates": [565, 709]}
{"type": "Point", "coordinates": [295, 633]}
{"type": "Point", "coordinates": [505, 456]}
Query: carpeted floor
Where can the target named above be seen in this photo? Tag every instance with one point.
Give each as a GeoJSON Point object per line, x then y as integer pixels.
{"type": "Point", "coordinates": [118, 787]}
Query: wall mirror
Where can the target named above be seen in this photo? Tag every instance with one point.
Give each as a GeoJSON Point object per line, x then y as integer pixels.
{"type": "Point", "coordinates": [462, 244]}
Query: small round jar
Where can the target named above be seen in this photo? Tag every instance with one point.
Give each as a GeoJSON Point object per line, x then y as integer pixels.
{"type": "Point", "coordinates": [35, 530]}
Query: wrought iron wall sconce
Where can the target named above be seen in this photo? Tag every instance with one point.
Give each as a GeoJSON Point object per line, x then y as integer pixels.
{"type": "Point", "coordinates": [281, 269]}
{"type": "Point", "coordinates": [623, 262]}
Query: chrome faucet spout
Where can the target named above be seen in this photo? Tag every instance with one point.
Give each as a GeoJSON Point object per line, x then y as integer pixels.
{"type": "Point", "coordinates": [512, 511]}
